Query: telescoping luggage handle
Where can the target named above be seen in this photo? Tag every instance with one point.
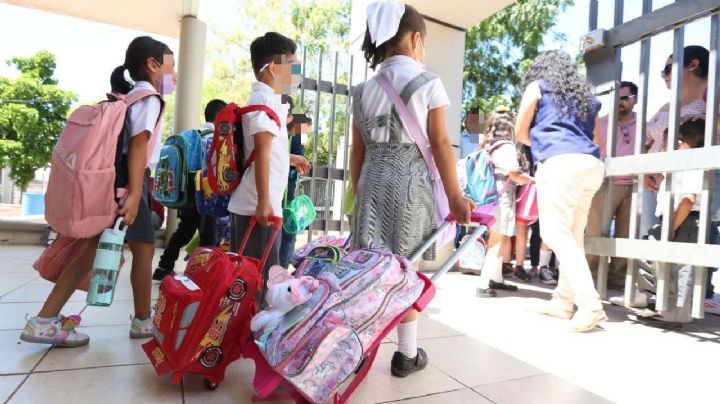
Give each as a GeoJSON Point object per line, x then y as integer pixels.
{"type": "Point", "coordinates": [277, 225]}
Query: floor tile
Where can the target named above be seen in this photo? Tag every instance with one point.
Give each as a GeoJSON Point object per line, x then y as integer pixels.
{"type": "Point", "coordinates": [465, 396]}
{"type": "Point", "coordinates": [37, 291]}
{"type": "Point", "coordinates": [13, 315]}
{"type": "Point", "coordinates": [118, 313]}
{"type": "Point", "coordinates": [109, 346]}
{"type": "Point", "coordinates": [108, 385]}
{"type": "Point", "coordinates": [8, 384]}
{"type": "Point", "coordinates": [381, 386]}
{"type": "Point", "coordinates": [236, 389]}
{"type": "Point", "coordinates": [18, 258]}
{"type": "Point", "coordinates": [18, 356]}
{"type": "Point", "coordinates": [480, 364]}
{"type": "Point", "coordinates": [429, 328]}
{"type": "Point", "coordinates": [14, 280]}
{"type": "Point", "coordinates": [551, 388]}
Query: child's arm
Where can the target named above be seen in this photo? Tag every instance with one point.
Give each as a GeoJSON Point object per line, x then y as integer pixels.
{"type": "Point", "coordinates": [263, 146]}
{"type": "Point", "coordinates": [137, 161]}
{"type": "Point", "coordinates": [683, 210]}
{"type": "Point", "coordinates": [526, 113]}
{"type": "Point", "coordinates": [596, 131]}
{"type": "Point", "coordinates": [444, 157]}
{"type": "Point", "coordinates": [357, 155]}
{"type": "Point", "coordinates": [520, 177]}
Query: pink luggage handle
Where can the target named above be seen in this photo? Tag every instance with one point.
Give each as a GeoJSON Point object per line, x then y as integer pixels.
{"type": "Point", "coordinates": [277, 225]}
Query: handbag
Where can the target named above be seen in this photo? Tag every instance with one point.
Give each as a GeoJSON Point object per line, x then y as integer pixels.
{"type": "Point", "coordinates": [442, 207]}
{"type": "Point", "coordinates": [526, 208]}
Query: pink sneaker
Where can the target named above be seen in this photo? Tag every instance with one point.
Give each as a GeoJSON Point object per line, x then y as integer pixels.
{"type": "Point", "coordinates": [712, 305]}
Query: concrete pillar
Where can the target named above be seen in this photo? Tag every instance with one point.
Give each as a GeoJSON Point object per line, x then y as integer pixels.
{"type": "Point", "coordinates": [7, 186]}
{"type": "Point", "coordinates": [188, 96]}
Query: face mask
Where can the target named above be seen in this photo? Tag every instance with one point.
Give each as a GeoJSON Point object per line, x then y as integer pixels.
{"type": "Point", "coordinates": [166, 84]}
{"type": "Point", "coordinates": [295, 79]}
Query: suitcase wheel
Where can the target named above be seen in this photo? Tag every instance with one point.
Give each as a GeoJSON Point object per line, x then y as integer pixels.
{"type": "Point", "coordinates": [210, 385]}
{"type": "Point", "coordinates": [237, 290]}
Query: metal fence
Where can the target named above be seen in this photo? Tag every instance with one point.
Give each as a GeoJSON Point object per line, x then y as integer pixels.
{"type": "Point", "coordinates": [604, 68]}
{"type": "Point", "coordinates": [328, 93]}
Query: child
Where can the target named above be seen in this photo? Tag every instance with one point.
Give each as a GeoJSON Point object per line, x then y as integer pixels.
{"type": "Point", "coordinates": [151, 65]}
{"type": "Point", "coordinates": [262, 188]}
{"type": "Point", "coordinates": [395, 207]}
{"type": "Point", "coordinates": [190, 220]}
{"type": "Point", "coordinates": [558, 115]}
{"type": "Point", "coordinates": [686, 186]}
{"type": "Point", "coordinates": [297, 125]}
{"type": "Point", "coordinates": [499, 141]}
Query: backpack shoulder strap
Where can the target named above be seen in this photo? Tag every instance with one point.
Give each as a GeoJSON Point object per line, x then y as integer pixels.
{"type": "Point", "coordinates": [259, 107]}
{"type": "Point", "coordinates": [140, 94]}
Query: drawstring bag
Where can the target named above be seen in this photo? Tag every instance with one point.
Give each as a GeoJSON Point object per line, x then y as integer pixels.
{"type": "Point", "coordinates": [526, 208]}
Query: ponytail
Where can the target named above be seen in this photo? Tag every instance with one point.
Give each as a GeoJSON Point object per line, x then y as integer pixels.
{"type": "Point", "coordinates": [411, 21]}
{"type": "Point", "coordinates": [118, 83]}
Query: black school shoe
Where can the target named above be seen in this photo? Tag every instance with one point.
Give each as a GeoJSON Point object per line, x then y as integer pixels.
{"type": "Point", "coordinates": [160, 274]}
{"type": "Point", "coordinates": [402, 366]}
{"type": "Point", "coordinates": [502, 286]}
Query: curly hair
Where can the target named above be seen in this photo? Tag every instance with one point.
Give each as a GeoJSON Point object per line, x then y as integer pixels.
{"type": "Point", "coordinates": [571, 92]}
{"type": "Point", "coordinates": [500, 126]}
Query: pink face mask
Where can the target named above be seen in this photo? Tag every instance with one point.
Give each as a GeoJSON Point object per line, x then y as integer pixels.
{"type": "Point", "coordinates": [166, 85]}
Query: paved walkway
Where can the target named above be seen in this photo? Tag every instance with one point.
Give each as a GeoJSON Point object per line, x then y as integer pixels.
{"type": "Point", "coordinates": [481, 351]}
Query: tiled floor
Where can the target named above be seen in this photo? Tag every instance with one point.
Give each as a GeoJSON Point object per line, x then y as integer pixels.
{"type": "Point", "coordinates": [481, 351]}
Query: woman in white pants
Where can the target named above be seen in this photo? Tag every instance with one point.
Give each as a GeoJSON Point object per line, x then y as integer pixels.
{"type": "Point", "coordinates": [558, 119]}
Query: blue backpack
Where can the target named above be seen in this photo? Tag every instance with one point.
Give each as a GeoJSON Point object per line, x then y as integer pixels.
{"type": "Point", "coordinates": [181, 156]}
{"type": "Point", "coordinates": [479, 181]}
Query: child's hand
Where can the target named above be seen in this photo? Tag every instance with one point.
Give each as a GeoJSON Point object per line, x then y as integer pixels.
{"type": "Point", "coordinates": [652, 181]}
{"type": "Point", "coordinates": [263, 212]}
{"type": "Point", "coordinates": [461, 208]}
{"type": "Point", "coordinates": [301, 164]}
{"type": "Point", "coordinates": [129, 208]}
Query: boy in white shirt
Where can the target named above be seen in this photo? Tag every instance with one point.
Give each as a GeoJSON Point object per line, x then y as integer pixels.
{"type": "Point", "coordinates": [263, 184]}
{"type": "Point", "coordinates": [686, 186]}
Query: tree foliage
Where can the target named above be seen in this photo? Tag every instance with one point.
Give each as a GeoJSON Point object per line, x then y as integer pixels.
{"type": "Point", "coordinates": [499, 49]}
{"type": "Point", "coordinates": [33, 110]}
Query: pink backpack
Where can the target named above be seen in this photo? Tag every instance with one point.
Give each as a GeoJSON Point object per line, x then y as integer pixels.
{"type": "Point", "coordinates": [319, 344]}
{"type": "Point", "coordinates": [80, 199]}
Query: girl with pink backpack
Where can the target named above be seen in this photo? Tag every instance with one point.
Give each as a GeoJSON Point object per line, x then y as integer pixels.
{"type": "Point", "coordinates": [150, 64]}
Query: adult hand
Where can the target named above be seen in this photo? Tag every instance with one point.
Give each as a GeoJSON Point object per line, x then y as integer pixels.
{"type": "Point", "coordinates": [263, 212]}
{"type": "Point", "coordinates": [301, 164]}
{"type": "Point", "coordinates": [129, 208]}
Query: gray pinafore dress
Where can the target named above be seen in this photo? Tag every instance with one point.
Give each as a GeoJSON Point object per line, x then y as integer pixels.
{"type": "Point", "coordinates": [394, 202]}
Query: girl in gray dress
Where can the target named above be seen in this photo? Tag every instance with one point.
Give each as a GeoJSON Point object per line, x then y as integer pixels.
{"type": "Point", "coordinates": [395, 206]}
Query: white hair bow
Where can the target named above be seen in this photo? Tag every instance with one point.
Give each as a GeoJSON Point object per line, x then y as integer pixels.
{"type": "Point", "coordinates": [383, 19]}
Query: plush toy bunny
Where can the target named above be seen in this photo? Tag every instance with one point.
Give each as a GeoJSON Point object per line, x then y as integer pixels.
{"type": "Point", "coordinates": [284, 293]}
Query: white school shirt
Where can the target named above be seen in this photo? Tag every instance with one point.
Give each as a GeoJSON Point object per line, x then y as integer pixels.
{"type": "Point", "coordinates": [144, 115]}
{"type": "Point", "coordinates": [399, 70]}
{"type": "Point", "coordinates": [683, 183]}
{"type": "Point", "coordinates": [244, 199]}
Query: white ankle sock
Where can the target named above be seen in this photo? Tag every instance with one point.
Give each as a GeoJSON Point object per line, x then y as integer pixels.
{"type": "Point", "coordinates": [545, 258]}
{"type": "Point", "coordinates": [407, 339]}
{"type": "Point", "coordinates": [45, 320]}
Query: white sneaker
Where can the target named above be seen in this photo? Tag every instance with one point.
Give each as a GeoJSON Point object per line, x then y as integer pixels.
{"type": "Point", "coordinates": [142, 328]}
{"type": "Point", "coordinates": [640, 301]}
{"type": "Point", "coordinates": [59, 332]}
{"type": "Point", "coordinates": [712, 305]}
{"type": "Point", "coordinates": [546, 276]}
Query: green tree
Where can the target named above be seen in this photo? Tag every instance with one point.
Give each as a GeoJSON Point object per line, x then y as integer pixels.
{"type": "Point", "coordinates": [33, 110]}
{"type": "Point", "coordinates": [499, 49]}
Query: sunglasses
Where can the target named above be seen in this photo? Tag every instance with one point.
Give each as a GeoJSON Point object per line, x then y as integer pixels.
{"type": "Point", "coordinates": [667, 70]}
{"type": "Point", "coordinates": [626, 97]}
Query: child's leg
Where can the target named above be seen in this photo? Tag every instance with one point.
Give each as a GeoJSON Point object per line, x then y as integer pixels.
{"type": "Point", "coordinates": [521, 243]}
{"type": "Point", "coordinates": [69, 280]}
{"type": "Point", "coordinates": [257, 243]}
{"type": "Point", "coordinates": [141, 277]}
{"type": "Point", "coordinates": [492, 267]}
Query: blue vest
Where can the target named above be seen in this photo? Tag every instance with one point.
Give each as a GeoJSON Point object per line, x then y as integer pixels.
{"type": "Point", "coordinates": [554, 132]}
